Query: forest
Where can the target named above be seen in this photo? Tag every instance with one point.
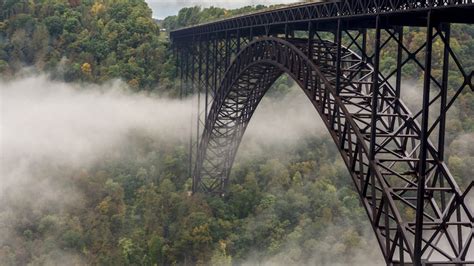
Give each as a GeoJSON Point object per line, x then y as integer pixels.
{"type": "Point", "coordinates": [289, 202]}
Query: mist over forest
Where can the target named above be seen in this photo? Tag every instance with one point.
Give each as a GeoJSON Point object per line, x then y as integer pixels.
{"type": "Point", "coordinates": [94, 143]}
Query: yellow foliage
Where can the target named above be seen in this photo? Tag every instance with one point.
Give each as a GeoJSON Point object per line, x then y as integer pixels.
{"type": "Point", "coordinates": [86, 68]}
{"type": "Point", "coordinates": [220, 256]}
{"type": "Point", "coordinates": [201, 234]}
{"type": "Point", "coordinates": [222, 245]}
{"type": "Point", "coordinates": [97, 8]}
{"type": "Point", "coordinates": [133, 83]}
{"type": "Point", "coordinates": [104, 207]}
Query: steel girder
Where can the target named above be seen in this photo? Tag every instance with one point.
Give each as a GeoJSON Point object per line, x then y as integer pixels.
{"type": "Point", "coordinates": [377, 135]}
{"type": "Point", "coordinates": [456, 10]}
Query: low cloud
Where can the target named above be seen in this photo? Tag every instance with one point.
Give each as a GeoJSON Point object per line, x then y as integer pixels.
{"type": "Point", "coordinates": [43, 119]}
{"type": "Point", "coordinates": [49, 128]}
{"type": "Point", "coordinates": [47, 125]}
{"type": "Point", "coordinates": [286, 119]}
{"type": "Point", "coordinates": [281, 122]}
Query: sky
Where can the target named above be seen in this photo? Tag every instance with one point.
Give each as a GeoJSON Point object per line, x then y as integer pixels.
{"type": "Point", "coordinates": [164, 8]}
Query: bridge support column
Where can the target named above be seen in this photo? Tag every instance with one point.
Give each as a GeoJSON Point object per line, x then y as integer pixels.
{"type": "Point", "coordinates": [208, 85]}
{"type": "Point", "coordinates": [398, 83]}
{"type": "Point", "coordinates": [443, 111]}
{"type": "Point", "coordinates": [420, 203]}
{"type": "Point", "coordinates": [373, 129]}
{"type": "Point", "coordinates": [338, 41]}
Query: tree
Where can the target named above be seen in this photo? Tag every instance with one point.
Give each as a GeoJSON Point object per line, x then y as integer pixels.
{"type": "Point", "coordinates": [72, 25]}
{"type": "Point", "coordinates": [86, 69]}
{"type": "Point", "coordinates": [40, 41]}
{"type": "Point", "coordinates": [97, 9]}
{"type": "Point", "coordinates": [220, 257]}
{"type": "Point", "coordinates": [55, 25]}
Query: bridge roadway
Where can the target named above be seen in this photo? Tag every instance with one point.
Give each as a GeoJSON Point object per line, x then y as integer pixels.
{"type": "Point", "coordinates": [395, 156]}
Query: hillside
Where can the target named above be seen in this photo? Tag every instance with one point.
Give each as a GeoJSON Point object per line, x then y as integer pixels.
{"type": "Point", "coordinates": [91, 41]}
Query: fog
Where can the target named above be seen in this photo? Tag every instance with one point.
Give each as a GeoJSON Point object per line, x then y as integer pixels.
{"type": "Point", "coordinates": [43, 120]}
{"type": "Point", "coordinates": [51, 129]}
{"type": "Point", "coordinates": [48, 125]}
{"type": "Point", "coordinates": [285, 122]}
{"type": "Point", "coordinates": [282, 122]}
{"type": "Point", "coordinates": [52, 124]}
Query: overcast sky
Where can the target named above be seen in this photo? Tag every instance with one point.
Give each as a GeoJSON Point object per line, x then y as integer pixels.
{"type": "Point", "coordinates": [164, 8]}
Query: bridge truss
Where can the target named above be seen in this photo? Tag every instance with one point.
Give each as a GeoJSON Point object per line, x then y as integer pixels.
{"type": "Point", "coordinates": [333, 51]}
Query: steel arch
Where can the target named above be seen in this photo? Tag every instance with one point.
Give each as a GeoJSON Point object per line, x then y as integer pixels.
{"type": "Point", "coordinates": [377, 136]}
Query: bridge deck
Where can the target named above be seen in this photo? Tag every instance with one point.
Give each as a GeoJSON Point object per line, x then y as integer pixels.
{"type": "Point", "coordinates": [454, 11]}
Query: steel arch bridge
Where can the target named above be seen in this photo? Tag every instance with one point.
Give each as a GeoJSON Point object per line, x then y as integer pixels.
{"type": "Point", "coordinates": [333, 51]}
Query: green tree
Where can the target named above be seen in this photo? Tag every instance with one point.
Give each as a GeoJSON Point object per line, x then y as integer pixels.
{"type": "Point", "coordinates": [55, 25]}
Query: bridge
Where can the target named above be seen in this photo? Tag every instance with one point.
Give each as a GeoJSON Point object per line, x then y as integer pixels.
{"type": "Point", "coordinates": [332, 50]}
